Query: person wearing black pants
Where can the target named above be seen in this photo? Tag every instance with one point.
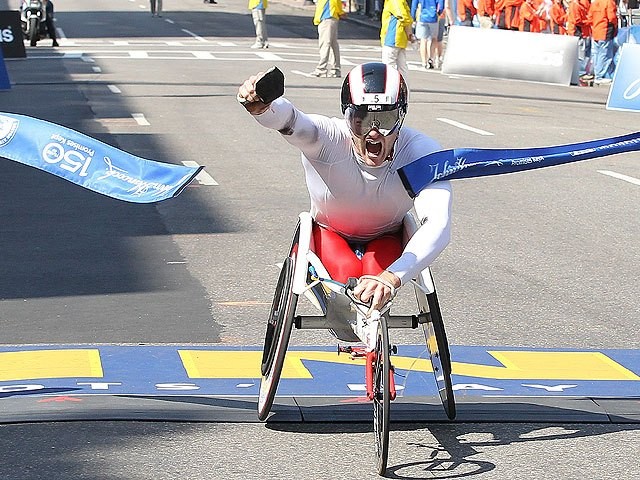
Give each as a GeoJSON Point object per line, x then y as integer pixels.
{"type": "Point", "coordinates": [156, 8]}
{"type": "Point", "coordinates": [49, 22]}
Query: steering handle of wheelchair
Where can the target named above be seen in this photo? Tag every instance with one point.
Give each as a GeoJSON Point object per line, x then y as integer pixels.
{"type": "Point", "coordinates": [348, 291]}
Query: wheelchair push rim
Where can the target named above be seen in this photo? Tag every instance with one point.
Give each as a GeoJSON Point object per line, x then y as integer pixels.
{"type": "Point", "coordinates": [277, 336]}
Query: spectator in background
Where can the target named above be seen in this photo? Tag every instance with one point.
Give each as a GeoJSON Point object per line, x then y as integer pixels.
{"type": "Point", "coordinates": [604, 28]}
{"type": "Point", "coordinates": [450, 9]}
{"type": "Point", "coordinates": [507, 14]}
{"type": "Point", "coordinates": [444, 20]}
{"type": "Point", "coordinates": [529, 21]}
{"type": "Point", "coordinates": [328, 14]}
{"type": "Point", "coordinates": [485, 13]}
{"type": "Point", "coordinates": [466, 12]}
{"type": "Point", "coordinates": [623, 13]}
{"type": "Point", "coordinates": [156, 8]}
{"type": "Point", "coordinates": [377, 9]}
{"type": "Point", "coordinates": [259, 14]}
{"type": "Point", "coordinates": [51, 27]}
{"type": "Point", "coordinates": [558, 18]}
{"type": "Point", "coordinates": [427, 12]}
{"type": "Point", "coordinates": [542, 11]}
{"type": "Point", "coordinates": [578, 26]}
{"type": "Point", "coordinates": [396, 32]}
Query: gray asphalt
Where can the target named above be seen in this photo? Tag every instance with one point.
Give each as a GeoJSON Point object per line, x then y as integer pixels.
{"type": "Point", "coordinates": [540, 259]}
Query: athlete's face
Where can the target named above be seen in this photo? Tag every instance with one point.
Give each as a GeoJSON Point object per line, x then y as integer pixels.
{"type": "Point", "coordinates": [374, 148]}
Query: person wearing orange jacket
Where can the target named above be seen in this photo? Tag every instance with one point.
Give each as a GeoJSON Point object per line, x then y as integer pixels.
{"type": "Point", "coordinates": [542, 12]}
{"type": "Point", "coordinates": [558, 18]}
{"type": "Point", "coordinates": [466, 11]}
{"type": "Point", "coordinates": [604, 28]}
{"type": "Point", "coordinates": [507, 14]}
{"type": "Point", "coordinates": [528, 17]}
{"type": "Point", "coordinates": [578, 26]}
{"type": "Point", "coordinates": [485, 13]}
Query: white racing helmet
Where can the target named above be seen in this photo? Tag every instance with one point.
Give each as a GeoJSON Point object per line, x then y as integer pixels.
{"type": "Point", "coordinates": [374, 95]}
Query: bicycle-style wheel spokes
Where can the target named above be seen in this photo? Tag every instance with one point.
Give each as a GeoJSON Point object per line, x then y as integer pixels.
{"type": "Point", "coordinates": [381, 366]}
{"type": "Point", "coordinates": [277, 338]}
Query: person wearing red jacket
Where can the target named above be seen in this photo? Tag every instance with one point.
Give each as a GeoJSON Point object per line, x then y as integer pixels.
{"type": "Point", "coordinates": [558, 18]}
{"type": "Point", "coordinates": [604, 27]}
{"type": "Point", "coordinates": [578, 26]}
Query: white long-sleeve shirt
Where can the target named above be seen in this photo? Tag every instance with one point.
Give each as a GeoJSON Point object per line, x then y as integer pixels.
{"type": "Point", "coordinates": [361, 202]}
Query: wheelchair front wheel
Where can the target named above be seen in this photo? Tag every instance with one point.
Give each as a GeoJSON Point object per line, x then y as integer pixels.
{"type": "Point", "coordinates": [381, 366]}
{"type": "Point", "coordinates": [277, 337]}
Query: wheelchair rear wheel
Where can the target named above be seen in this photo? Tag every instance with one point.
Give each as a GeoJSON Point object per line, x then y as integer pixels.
{"type": "Point", "coordinates": [277, 337]}
{"type": "Point", "coordinates": [438, 347]}
{"type": "Point", "coordinates": [381, 395]}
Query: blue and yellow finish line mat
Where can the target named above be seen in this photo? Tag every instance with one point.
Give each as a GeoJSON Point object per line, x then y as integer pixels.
{"type": "Point", "coordinates": [311, 371]}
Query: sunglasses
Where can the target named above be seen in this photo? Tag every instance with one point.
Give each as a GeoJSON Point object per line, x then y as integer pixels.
{"type": "Point", "coordinates": [362, 121]}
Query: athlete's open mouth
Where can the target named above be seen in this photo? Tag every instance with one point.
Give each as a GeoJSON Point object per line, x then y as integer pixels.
{"type": "Point", "coordinates": [373, 147]}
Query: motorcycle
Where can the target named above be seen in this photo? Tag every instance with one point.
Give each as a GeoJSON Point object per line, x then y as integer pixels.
{"type": "Point", "coordinates": [33, 18]}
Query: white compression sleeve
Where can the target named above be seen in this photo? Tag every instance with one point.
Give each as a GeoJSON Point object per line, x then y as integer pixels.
{"type": "Point", "coordinates": [433, 207]}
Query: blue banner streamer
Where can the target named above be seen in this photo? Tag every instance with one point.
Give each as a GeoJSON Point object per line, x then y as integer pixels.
{"type": "Point", "coordinates": [88, 162]}
{"type": "Point", "coordinates": [480, 162]}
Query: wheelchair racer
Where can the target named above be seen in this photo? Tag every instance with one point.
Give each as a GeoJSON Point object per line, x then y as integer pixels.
{"type": "Point", "coordinates": [358, 201]}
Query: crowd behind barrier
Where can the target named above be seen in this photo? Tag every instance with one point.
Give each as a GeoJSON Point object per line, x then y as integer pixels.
{"type": "Point", "coordinates": [597, 24]}
{"type": "Point", "coordinates": [602, 26]}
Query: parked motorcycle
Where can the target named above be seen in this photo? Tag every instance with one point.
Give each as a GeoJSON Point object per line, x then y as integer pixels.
{"type": "Point", "coordinates": [33, 17]}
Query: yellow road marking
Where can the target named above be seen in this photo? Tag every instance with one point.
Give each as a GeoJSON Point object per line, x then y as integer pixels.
{"type": "Point", "coordinates": [34, 364]}
{"type": "Point", "coordinates": [516, 365]}
{"type": "Point", "coordinates": [235, 364]}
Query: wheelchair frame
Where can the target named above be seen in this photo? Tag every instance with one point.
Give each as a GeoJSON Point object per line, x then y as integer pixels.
{"type": "Point", "coordinates": [302, 273]}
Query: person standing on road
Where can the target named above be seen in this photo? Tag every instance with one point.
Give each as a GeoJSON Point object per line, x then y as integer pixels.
{"type": "Point", "coordinates": [427, 28]}
{"type": "Point", "coordinates": [156, 8]}
{"type": "Point", "coordinates": [327, 15]}
{"type": "Point", "coordinates": [603, 17]}
{"type": "Point", "coordinates": [445, 19]}
{"type": "Point", "coordinates": [395, 34]}
{"type": "Point", "coordinates": [578, 25]}
{"type": "Point", "coordinates": [358, 201]}
{"type": "Point", "coordinates": [49, 20]}
{"type": "Point", "coordinates": [259, 13]}
{"type": "Point", "coordinates": [51, 26]}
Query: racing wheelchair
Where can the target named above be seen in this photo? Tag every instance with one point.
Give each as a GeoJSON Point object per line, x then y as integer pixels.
{"type": "Point", "coordinates": [349, 320]}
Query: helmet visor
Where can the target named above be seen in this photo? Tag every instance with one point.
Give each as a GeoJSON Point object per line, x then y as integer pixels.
{"type": "Point", "coordinates": [361, 121]}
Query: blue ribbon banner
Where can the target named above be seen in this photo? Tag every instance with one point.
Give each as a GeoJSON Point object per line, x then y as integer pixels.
{"type": "Point", "coordinates": [90, 163]}
{"type": "Point", "coordinates": [481, 162]}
